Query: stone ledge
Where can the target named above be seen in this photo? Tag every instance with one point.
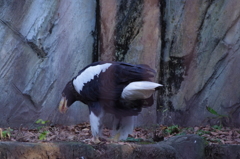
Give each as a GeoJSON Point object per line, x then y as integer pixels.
{"type": "Point", "coordinates": [178, 147]}
{"type": "Point", "coordinates": [222, 151]}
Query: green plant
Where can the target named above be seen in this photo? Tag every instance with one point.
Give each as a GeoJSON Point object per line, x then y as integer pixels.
{"type": "Point", "coordinates": [219, 117]}
{"type": "Point", "coordinates": [218, 127]}
{"type": "Point", "coordinates": [202, 132]}
{"type": "Point", "coordinates": [43, 122]}
{"type": "Point", "coordinates": [172, 129]}
{"type": "Point", "coordinates": [181, 133]}
{"type": "Point", "coordinates": [214, 112]}
{"type": "Point", "coordinates": [6, 133]}
{"type": "Point", "coordinates": [43, 133]}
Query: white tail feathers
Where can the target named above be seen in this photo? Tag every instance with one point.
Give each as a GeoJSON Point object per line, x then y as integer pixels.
{"type": "Point", "coordinates": [139, 90]}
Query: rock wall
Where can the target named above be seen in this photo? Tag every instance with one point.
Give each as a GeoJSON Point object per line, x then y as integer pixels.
{"type": "Point", "coordinates": [43, 44]}
{"type": "Point", "coordinates": [193, 45]}
{"type": "Point", "coordinates": [131, 34]}
{"type": "Point", "coordinates": [199, 62]}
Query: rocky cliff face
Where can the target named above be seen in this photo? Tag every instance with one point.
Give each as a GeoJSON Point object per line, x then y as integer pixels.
{"type": "Point", "coordinates": [43, 45]}
{"type": "Point", "coordinates": [193, 45]}
{"type": "Point", "coordinates": [131, 34]}
{"type": "Point", "coordinates": [199, 63]}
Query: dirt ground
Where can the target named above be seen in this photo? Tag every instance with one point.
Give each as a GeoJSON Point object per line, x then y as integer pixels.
{"type": "Point", "coordinates": [82, 133]}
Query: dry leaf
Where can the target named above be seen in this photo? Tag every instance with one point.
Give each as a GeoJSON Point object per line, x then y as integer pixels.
{"type": "Point", "coordinates": [229, 142]}
{"type": "Point", "coordinates": [85, 130]}
{"type": "Point", "coordinates": [196, 128]}
{"type": "Point", "coordinates": [213, 133]}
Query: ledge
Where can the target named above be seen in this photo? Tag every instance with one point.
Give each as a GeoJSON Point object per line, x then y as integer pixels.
{"type": "Point", "coordinates": [180, 147]}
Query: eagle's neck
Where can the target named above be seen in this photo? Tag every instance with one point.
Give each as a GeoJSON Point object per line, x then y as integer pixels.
{"type": "Point", "coordinates": [74, 92]}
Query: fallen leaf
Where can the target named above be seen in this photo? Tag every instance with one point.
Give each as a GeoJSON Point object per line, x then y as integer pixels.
{"type": "Point", "coordinates": [196, 128]}
{"type": "Point", "coordinates": [214, 133]}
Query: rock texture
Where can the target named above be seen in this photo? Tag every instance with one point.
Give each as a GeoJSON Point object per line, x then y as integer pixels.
{"type": "Point", "coordinates": [131, 34]}
{"type": "Point", "coordinates": [199, 59]}
{"type": "Point", "coordinates": [181, 147]}
{"type": "Point", "coordinates": [193, 45]}
{"type": "Point", "coordinates": [222, 151]}
{"type": "Point", "coordinates": [43, 44]}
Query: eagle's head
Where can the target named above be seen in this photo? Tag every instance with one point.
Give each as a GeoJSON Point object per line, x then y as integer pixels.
{"type": "Point", "coordinates": [68, 97]}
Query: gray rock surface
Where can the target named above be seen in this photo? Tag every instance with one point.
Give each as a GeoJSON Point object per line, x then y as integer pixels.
{"type": "Point", "coordinates": [180, 147]}
{"type": "Point", "coordinates": [132, 34]}
{"type": "Point", "coordinates": [188, 146]}
{"type": "Point", "coordinates": [43, 45]}
{"type": "Point", "coordinates": [193, 45]}
{"type": "Point", "coordinates": [200, 58]}
{"type": "Point", "coordinates": [222, 152]}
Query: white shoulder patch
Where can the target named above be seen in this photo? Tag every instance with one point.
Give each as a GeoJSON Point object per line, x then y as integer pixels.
{"type": "Point", "coordinates": [88, 74]}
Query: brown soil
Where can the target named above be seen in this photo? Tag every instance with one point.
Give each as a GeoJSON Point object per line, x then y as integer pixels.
{"type": "Point", "coordinates": [82, 133]}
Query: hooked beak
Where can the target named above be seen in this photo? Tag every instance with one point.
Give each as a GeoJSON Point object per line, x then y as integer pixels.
{"type": "Point", "coordinates": [63, 105]}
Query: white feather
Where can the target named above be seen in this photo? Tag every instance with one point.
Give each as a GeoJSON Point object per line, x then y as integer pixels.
{"type": "Point", "coordinates": [126, 127]}
{"type": "Point", "coordinates": [95, 122]}
{"type": "Point", "coordinates": [139, 90]}
{"type": "Point", "coordinates": [88, 74]}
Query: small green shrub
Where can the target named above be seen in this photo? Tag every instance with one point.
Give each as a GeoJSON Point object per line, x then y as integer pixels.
{"type": "Point", "coordinates": [172, 129]}
{"type": "Point", "coordinates": [6, 133]}
{"type": "Point", "coordinates": [43, 133]}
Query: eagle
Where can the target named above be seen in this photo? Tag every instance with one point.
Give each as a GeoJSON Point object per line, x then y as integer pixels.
{"type": "Point", "coordinates": [118, 88]}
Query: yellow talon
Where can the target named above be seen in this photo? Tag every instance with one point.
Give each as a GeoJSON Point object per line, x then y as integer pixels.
{"type": "Point", "coordinates": [116, 137]}
{"type": "Point", "coordinates": [96, 140]}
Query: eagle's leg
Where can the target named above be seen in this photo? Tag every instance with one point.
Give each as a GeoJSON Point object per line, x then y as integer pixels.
{"type": "Point", "coordinates": [96, 127]}
{"type": "Point", "coordinates": [122, 127]}
{"type": "Point", "coordinates": [95, 139]}
{"type": "Point", "coordinates": [96, 117]}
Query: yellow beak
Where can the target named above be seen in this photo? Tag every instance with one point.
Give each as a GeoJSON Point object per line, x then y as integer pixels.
{"type": "Point", "coordinates": [63, 105]}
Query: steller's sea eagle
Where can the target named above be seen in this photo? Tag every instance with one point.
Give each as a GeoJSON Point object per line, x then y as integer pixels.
{"type": "Point", "coordinates": [118, 88]}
